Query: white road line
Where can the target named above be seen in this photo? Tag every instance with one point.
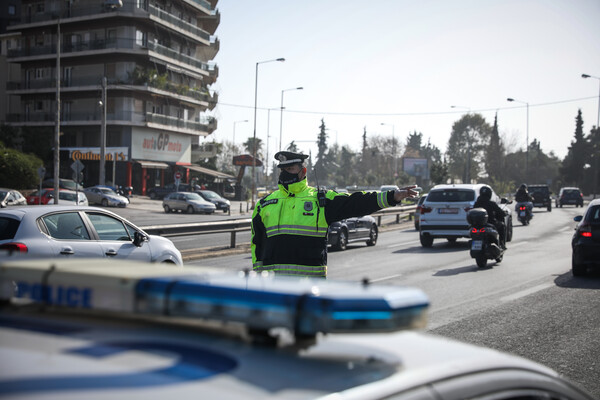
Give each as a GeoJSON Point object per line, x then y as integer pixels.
{"type": "Point", "coordinates": [510, 245]}
{"type": "Point", "coordinates": [385, 278]}
{"type": "Point", "coordinates": [402, 244]}
{"type": "Point", "coordinates": [527, 292]}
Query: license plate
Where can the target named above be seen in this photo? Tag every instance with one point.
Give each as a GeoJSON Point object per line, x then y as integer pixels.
{"type": "Point", "coordinates": [522, 214]}
{"type": "Point", "coordinates": [476, 245]}
{"type": "Point", "coordinates": [447, 210]}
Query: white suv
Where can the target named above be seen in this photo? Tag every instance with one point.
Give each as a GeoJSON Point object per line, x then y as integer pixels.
{"type": "Point", "coordinates": [444, 213]}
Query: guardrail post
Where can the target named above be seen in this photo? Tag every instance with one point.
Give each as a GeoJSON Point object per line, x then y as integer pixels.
{"type": "Point", "coordinates": [232, 240]}
{"type": "Point", "coordinates": [379, 220]}
{"type": "Point", "coordinates": [240, 208]}
{"type": "Point", "coordinates": [397, 218]}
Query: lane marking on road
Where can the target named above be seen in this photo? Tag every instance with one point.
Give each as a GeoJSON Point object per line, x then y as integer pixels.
{"type": "Point", "coordinates": [513, 244]}
{"type": "Point", "coordinates": [402, 244]}
{"type": "Point", "coordinates": [565, 228]}
{"type": "Point", "coordinates": [385, 278]}
{"type": "Point", "coordinates": [527, 292]}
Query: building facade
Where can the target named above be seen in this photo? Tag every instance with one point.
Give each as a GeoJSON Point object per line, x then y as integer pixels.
{"type": "Point", "coordinates": [135, 79]}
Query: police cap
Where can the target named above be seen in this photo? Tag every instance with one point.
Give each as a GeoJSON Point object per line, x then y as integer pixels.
{"type": "Point", "coordinates": [287, 158]}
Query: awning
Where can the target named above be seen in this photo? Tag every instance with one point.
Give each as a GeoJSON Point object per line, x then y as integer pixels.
{"type": "Point", "coordinates": [153, 164]}
{"type": "Point", "coordinates": [210, 172]}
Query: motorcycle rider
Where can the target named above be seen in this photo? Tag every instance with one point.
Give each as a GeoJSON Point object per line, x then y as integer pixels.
{"type": "Point", "coordinates": [495, 213]}
{"type": "Point", "coordinates": [523, 196]}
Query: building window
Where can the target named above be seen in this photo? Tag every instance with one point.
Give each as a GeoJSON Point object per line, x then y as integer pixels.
{"type": "Point", "coordinates": [39, 73]}
{"type": "Point", "coordinates": [12, 10]}
{"type": "Point", "coordinates": [39, 8]}
{"type": "Point", "coordinates": [38, 106]}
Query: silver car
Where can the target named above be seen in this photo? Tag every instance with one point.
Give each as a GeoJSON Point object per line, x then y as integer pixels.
{"type": "Point", "coordinates": [57, 231]}
{"type": "Point", "coordinates": [187, 202]}
{"type": "Point", "coordinates": [105, 196]}
{"type": "Point", "coordinates": [11, 197]}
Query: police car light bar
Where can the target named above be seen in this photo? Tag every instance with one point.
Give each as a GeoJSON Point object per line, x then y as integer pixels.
{"type": "Point", "coordinates": [304, 306]}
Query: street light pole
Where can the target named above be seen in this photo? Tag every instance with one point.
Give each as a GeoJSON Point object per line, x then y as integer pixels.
{"type": "Point", "coordinates": [526, 138]}
{"type": "Point", "coordinates": [234, 124]}
{"type": "Point", "coordinates": [254, 136]}
{"type": "Point", "coordinates": [102, 175]}
{"type": "Point", "coordinates": [281, 116]}
{"type": "Point", "coordinates": [393, 147]}
{"type": "Point", "coordinates": [597, 134]}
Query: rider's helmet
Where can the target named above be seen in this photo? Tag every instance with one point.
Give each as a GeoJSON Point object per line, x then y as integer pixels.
{"type": "Point", "coordinates": [523, 186]}
{"type": "Point", "coordinates": [485, 192]}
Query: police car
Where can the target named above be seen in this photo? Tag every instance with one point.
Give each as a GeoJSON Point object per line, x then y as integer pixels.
{"type": "Point", "coordinates": [106, 330]}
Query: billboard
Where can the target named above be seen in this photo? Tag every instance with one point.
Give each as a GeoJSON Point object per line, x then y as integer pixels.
{"type": "Point", "coordinates": [416, 167]}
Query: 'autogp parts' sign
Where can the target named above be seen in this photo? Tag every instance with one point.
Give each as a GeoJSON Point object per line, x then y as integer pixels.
{"type": "Point", "coordinates": [160, 146]}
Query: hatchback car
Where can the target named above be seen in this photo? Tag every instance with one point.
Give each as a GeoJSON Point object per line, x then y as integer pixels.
{"type": "Point", "coordinates": [105, 196]}
{"type": "Point", "coordinates": [187, 202]}
{"type": "Point", "coordinates": [11, 197]}
{"type": "Point", "coordinates": [569, 195]}
{"type": "Point", "coordinates": [71, 197]}
{"type": "Point", "coordinates": [586, 240]}
{"type": "Point", "coordinates": [35, 198]}
{"type": "Point", "coordinates": [444, 213]}
{"type": "Point", "coordinates": [218, 201]}
{"type": "Point", "coordinates": [53, 231]}
{"type": "Point", "coordinates": [351, 230]}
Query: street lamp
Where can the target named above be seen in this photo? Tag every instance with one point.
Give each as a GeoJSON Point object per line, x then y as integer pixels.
{"type": "Point", "coordinates": [393, 147]}
{"type": "Point", "coordinates": [281, 116]}
{"type": "Point", "coordinates": [254, 136]}
{"type": "Point", "coordinates": [234, 124]}
{"type": "Point", "coordinates": [526, 138]}
{"type": "Point", "coordinates": [597, 134]}
{"type": "Point", "coordinates": [57, 125]}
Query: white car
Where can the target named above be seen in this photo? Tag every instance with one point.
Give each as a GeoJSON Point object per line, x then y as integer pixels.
{"type": "Point", "coordinates": [105, 196]}
{"type": "Point", "coordinates": [72, 197]}
{"type": "Point", "coordinates": [102, 330]}
{"type": "Point", "coordinates": [57, 231]}
{"type": "Point", "coordinates": [444, 212]}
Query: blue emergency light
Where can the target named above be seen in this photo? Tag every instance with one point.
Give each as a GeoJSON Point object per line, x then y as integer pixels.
{"type": "Point", "coordinates": [259, 301]}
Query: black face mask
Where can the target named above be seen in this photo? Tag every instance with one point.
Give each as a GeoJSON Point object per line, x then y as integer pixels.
{"type": "Point", "coordinates": [286, 178]}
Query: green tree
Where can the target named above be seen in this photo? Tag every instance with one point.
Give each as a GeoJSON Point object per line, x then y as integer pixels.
{"type": "Point", "coordinates": [438, 172]}
{"type": "Point", "coordinates": [18, 170]}
{"type": "Point", "coordinates": [465, 152]}
{"type": "Point", "coordinates": [495, 155]}
{"type": "Point", "coordinates": [414, 141]}
{"type": "Point", "coordinates": [572, 167]}
{"type": "Point", "coordinates": [250, 144]}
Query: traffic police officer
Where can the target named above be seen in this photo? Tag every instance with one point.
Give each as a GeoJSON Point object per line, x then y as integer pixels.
{"type": "Point", "coordinates": [289, 226]}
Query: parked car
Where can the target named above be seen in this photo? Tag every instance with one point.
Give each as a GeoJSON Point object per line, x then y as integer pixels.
{"type": "Point", "coordinates": [72, 198]}
{"type": "Point", "coordinates": [134, 331]}
{"type": "Point", "coordinates": [159, 192]}
{"type": "Point", "coordinates": [418, 210]}
{"type": "Point", "coordinates": [569, 195]}
{"type": "Point", "coordinates": [444, 213]}
{"type": "Point", "coordinates": [53, 231]}
{"type": "Point", "coordinates": [219, 202]}
{"type": "Point", "coordinates": [188, 202]}
{"type": "Point", "coordinates": [383, 188]}
{"type": "Point", "coordinates": [105, 196]}
{"type": "Point", "coordinates": [11, 197]}
{"type": "Point", "coordinates": [350, 230]}
{"type": "Point", "coordinates": [62, 184]}
{"type": "Point", "coordinates": [586, 240]}
{"type": "Point", "coordinates": [541, 196]}
{"type": "Point", "coordinates": [46, 195]}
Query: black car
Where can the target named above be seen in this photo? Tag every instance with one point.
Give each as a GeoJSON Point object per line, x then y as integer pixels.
{"type": "Point", "coordinates": [569, 195]}
{"type": "Point", "coordinates": [541, 196]}
{"type": "Point", "coordinates": [218, 201]}
{"type": "Point", "coordinates": [356, 229]}
{"type": "Point", "coordinates": [159, 192]}
{"type": "Point", "coordinates": [586, 240]}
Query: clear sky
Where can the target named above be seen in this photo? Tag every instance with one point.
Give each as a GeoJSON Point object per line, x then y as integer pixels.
{"type": "Point", "coordinates": [404, 63]}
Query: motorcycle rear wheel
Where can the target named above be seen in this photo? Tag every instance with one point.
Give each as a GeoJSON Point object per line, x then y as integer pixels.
{"type": "Point", "coordinates": [481, 261]}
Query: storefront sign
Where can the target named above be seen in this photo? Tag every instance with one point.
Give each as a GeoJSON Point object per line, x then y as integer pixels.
{"type": "Point", "coordinates": [160, 146]}
{"type": "Point", "coordinates": [93, 153]}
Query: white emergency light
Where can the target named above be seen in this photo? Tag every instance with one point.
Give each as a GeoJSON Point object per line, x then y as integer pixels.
{"type": "Point", "coordinates": [304, 306]}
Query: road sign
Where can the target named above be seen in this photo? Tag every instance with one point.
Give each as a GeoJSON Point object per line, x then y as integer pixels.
{"type": "Point", "coordinates": [41, 172]}
{"type": "Point", "coordinates": [178, 175]}
{"type": "Point", "coordinates": [77, 166]}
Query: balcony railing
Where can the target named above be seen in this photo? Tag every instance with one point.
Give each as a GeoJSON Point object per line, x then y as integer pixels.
{"type": "Point", "coordinates": [170, 18]}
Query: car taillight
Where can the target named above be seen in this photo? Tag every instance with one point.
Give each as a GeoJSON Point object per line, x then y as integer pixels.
{"type": "Point", "coordinates": [14, 247]}
{"type": "Point", "coordinates": [585, 231]}
{"type": "Point", "coordinates": [425, 210]}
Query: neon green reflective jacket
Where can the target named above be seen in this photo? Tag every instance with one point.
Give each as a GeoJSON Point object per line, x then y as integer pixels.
{"type": "Point", "coordinates": [289, 228]}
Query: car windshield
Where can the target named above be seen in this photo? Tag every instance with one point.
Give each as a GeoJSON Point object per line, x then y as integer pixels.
{"type": "Point", "coordinates": [593, 214]}
{"type": "Point", "coordinates": [451, 195]}
{"type": "Point", "coordinates": [67, 196]}
{"type": "Point", "coordinates": [538, 190]}
{"type": "Point", "coordinates": [108, 191]}
{"type": "Point", "coordinates": [193, 196]}
{"type": "Point", "coordinates": [571, 192]}
{"type": "Point", "coordinates": [210, 195]}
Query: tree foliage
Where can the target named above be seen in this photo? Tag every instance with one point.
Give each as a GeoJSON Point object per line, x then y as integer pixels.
{"type": "Point", "coordinates": [18, 170]}
{"type": "Point", "coordinates": [466, 147]}
{"type": "Point", "coordinates": [572, 172]}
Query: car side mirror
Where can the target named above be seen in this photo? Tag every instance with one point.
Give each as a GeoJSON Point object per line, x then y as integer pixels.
{"type": "Point", "coordinates": [578, 218]}
{"type": "Point", "coordinates": [139, 238]}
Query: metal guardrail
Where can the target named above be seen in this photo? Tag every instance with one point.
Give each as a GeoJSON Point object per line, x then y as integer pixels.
{"type": "Point", "coordinates": [242, 225]}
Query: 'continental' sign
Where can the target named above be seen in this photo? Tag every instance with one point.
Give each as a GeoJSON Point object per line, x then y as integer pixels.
{"type": "Point", "coordinates": [93, 153]}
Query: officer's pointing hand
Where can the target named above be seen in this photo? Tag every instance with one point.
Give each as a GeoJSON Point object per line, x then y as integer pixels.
{"type": "Point", "coordinates": [405, 192]}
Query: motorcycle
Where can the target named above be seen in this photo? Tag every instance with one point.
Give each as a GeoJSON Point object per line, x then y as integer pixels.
{"type": "Point", "coordinates": [524, 213]}
{"type": "Point", "coordinates": [126, 191]}
{"type": "Point", "coordinates": [485, 244]}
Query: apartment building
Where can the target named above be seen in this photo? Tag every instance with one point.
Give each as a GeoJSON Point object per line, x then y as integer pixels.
{"type": "Point", "coordinates": [135, 79]}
